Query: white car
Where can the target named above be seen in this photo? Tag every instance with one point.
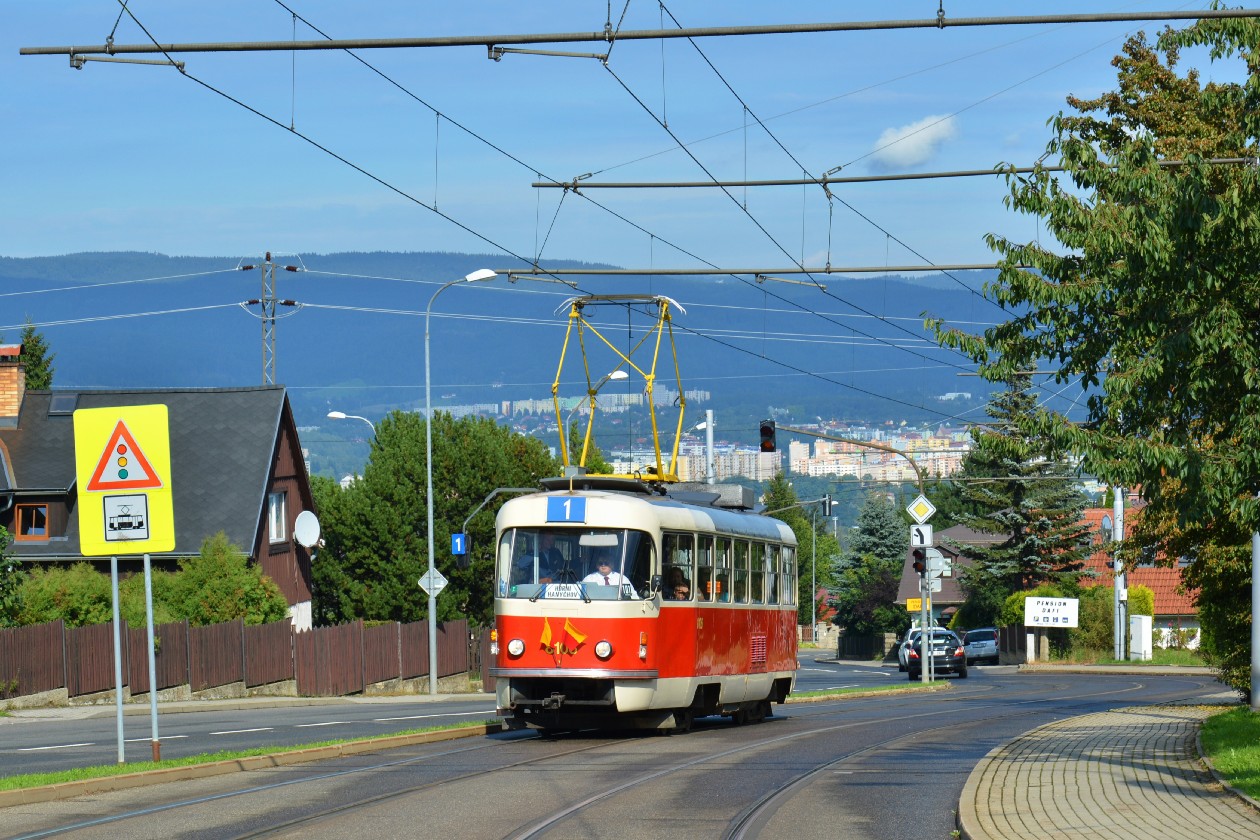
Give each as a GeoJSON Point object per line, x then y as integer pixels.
{"type": "Point", "coordinates": [912, 638]}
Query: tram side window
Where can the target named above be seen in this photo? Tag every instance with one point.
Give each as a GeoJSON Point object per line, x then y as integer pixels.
{"type": "Point", "coordinates": [722, 568]}
{"type": "Point", "coordinates": [678, 570]}
{"type": "Point", "coordinates": [704, 568]}
{"type": "Point", "coordinates": [739, 589]}
{"type": "Point", "coordinates": [788, 556]}
{"type": "Point", "coordinates": [640, 553]}
{"type": "Point", "coordinates": [757, 573]}
{"type": "Point", "coordinates": [772, 574]}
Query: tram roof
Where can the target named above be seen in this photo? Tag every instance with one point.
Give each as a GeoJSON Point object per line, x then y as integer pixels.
{"type": "Point", "coordinates": [685, 508]}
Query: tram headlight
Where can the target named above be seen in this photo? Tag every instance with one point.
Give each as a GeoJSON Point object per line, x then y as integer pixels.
{"type": "Point", "coordinates": [516, 647]}
{"type": "Point", "coordinates": [603, 649]}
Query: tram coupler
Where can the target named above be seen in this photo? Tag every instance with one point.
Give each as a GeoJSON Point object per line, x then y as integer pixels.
{"type": "Point", "coordinates": [555, 701]}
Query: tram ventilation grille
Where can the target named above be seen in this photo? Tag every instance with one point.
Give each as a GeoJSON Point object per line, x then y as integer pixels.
{"type": "Point", "coordinates": [759, 650]}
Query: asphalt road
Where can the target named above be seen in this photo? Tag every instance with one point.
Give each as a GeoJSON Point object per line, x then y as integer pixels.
{"type": "Point", "coordinates": [39, 746]}
{"type": "Point", "coordinates": [873, 767]}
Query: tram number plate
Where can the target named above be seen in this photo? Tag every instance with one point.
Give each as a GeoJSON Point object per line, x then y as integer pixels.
{"type": "Point", "coordinates": [563, 590]}
{"type": "Point", "coordinates": [566, 509]}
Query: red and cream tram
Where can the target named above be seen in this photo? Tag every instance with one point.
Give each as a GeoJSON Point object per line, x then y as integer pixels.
{"type": "Point", "coordinates": [620, 605]}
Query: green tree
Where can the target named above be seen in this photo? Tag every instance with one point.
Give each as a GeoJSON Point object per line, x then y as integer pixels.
{"type": "Point", "coordinates": [36, 360]}
{"type": "Point", "coordinates": [866, 601]}
{"type": "Point", "coordinates": [219, 584]}
{"type": "Point", "coordinates": [1027, 500]}
{"type": "Point", "coordinates": [10, 582]}
{"type": "Point", "coordinates": [374, 531]}
{"type": "Point", "coordinates": [595, 462]}
{"type": "Point", "coordinates": [1152, 305]}
{"type": "Point", "coordinates": [815, 545]}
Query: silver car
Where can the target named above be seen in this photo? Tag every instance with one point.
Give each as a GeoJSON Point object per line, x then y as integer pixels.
{"type": "Point", "coordinates": [981, 645]}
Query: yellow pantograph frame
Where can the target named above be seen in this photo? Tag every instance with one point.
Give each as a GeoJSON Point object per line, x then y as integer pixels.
{"type": "Point", "coordinates": [663, 327]}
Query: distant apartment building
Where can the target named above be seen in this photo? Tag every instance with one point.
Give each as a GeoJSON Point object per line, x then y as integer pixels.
{"type": "Point", "coordinates": [937, 454]}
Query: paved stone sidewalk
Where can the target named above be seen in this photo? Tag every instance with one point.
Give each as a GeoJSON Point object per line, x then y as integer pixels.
{"type": "Point", "coordinates": [1128, 774]}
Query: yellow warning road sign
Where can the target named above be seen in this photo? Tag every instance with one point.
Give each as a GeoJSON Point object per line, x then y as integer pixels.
{"type": "Point", "coordinates": [123, 469]}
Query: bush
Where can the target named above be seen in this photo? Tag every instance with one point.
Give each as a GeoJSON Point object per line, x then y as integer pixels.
{"type": "Point", "coordinates": [220, 585]}
{"type": "Point", "coordinates": [1141, 600]}
{"type": "Point", "coordinates": [1013, 607]}
{"type": "Point", "coordinates": [217, 585]}
{"type": "Point", "coordinates": [1097, 621]}
{"type": "Point", "coordinates": [78, 595]}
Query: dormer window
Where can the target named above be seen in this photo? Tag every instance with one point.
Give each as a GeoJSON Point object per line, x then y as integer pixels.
{"type": "Point", "coordinates": [31, 522]}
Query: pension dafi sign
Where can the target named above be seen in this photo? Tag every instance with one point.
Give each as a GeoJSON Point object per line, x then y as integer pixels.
{"type": "Point", "coordinates": [123, 470]}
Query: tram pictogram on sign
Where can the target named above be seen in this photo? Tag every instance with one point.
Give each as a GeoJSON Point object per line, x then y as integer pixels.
{"type": "Point", "coordinates": [122, 465]}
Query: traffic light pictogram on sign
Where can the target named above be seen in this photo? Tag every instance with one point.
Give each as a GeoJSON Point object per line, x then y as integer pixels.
{"type": "Point", "coordinates": [122, 465]}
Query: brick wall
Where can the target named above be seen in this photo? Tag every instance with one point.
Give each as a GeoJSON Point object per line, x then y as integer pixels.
{"type": "Point", "coordinates": [12, 380]}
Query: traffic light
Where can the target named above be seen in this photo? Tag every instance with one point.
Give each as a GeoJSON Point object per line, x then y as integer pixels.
{"type": "Point", "coordinates": [767, 436]}
{"type": "Point", "coordinates": [920, 560]}
{"type": "Point", "coordinates": [826, 505]}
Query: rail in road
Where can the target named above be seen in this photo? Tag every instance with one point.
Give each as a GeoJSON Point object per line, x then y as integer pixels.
{"type": "Point", "coordinates": [887, 766]}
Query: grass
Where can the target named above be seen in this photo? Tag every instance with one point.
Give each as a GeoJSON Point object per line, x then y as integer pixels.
{"type": "Point", "coordinates": [831, 692]}
{"type": "Point", "coordinates": [1159, 656]}
{"type": "Point", "coordinates": [1232, 741]}
{"type": "Point", "coordinates": [29, 780]}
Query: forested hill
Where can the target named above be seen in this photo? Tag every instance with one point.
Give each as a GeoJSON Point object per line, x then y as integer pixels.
{"type": "Point", "coordinates": [855, 350]}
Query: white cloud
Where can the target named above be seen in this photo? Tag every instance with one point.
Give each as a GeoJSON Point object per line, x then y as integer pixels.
{"type": "Point", "coordinates": [913, 144]}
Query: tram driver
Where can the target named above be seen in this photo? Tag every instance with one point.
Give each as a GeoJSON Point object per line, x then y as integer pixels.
{"type": "Point", "coordinates": [604, 574]}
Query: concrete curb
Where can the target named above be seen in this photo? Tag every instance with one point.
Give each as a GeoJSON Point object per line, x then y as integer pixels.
{"type": "Point", "coordinates": [66, 790]}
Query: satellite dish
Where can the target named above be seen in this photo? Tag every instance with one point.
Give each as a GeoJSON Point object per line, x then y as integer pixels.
{"type": "Point", "coordinates": [306, 529]}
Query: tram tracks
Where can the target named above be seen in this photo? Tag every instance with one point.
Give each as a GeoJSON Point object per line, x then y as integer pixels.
{"type": "Point", "coordinates": [815, 720]}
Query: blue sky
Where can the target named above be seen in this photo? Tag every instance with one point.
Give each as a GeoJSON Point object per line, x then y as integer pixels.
{"type": "Point", "coordinates": [127, 157]}
{"type": "Point", "coordinates": [447, 143]}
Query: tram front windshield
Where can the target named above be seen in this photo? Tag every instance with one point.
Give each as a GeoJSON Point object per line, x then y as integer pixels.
{"type": "Point", "coordinates": [598, 564]}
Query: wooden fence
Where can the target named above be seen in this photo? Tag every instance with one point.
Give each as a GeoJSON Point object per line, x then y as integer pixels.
{"type": "Point", "coordinates": [327, 661]}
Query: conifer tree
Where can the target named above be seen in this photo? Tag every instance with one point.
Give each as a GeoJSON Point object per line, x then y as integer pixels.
{"type": "Point", "coordinates": [36, 359]}
{"type": "Point", "coordinates": [1026, 498]}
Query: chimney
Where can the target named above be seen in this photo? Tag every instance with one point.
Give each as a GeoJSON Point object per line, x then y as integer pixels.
{"type": "Point", "coordinates": [12, 380]}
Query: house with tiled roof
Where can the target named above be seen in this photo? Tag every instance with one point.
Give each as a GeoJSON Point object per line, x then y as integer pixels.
{"type": "Point", "coordinates": [1175, 612]}
{"type": "Point", "coordinates": [235, 460]}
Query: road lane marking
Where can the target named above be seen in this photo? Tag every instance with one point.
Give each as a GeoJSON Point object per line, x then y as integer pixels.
{"type": "Point", "coordinates": [325, 723]}
{"type": "Point", "coordinates": [444, 714]}
{"type": "Point", "coordinates": [240, 731]}
{"type": "Point", "coordinates": [56, 747]}
{"type": "Point", "coordinates": [162, 738]}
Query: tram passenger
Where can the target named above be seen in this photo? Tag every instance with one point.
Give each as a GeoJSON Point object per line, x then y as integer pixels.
{"type": "Point", "coordinates": [677, 588]}
{"type": "Point", "coordinates": [549, 556]}
{"type": "Point", "coordinates": [723, 588]}
{"type": "Point", "coordinates": [604, 573]}
{"type": "Point", "coordinates": [523, 568]}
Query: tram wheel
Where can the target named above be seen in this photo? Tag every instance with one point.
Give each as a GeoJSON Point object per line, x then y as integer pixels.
{"type": "Point", "coordinates": [740, 718]}
{"type": "Point", "coordinates": [683, 718]}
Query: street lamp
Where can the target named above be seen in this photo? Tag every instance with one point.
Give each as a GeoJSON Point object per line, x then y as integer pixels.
{"type": "Point", "coordinates": [341, 415]}
{"type": "Point", "coordinates": [478, 275]}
